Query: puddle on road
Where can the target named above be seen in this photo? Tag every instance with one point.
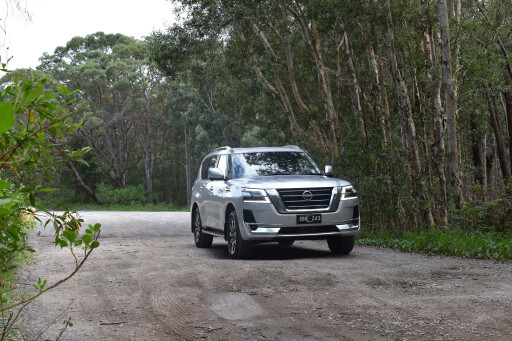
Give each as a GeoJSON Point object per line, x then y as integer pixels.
{"type": "Point", "coordinates": [235, 306]}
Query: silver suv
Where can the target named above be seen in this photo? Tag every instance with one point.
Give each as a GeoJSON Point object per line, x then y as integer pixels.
{"type": "Point", "coordinates": [271, 194]}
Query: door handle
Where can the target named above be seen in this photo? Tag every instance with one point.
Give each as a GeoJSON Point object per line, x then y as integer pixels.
{"type": "Point", "coordinates": [210, 188]}
{"type": "Point", "coordinates": [227, 189]}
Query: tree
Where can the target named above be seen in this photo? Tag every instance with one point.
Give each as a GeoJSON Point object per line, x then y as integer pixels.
{"type": "Point", "coordinates": [33, 126]}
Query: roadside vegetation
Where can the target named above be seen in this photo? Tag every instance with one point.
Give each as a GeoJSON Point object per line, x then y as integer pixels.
{"type": "Point", "coordinates": [34, 127]}
{"type": "Point", "coordinates": [449, 242]}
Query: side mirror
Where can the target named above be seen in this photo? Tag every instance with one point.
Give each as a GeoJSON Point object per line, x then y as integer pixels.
{"type": "Point", "coordinates": [328, 171]}
{"type": "Point", "coordinates": [215, 174]}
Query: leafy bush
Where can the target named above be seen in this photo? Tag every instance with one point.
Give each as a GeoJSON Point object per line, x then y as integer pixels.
{"type": "Point", "coordinates": [130, 195]}
{"type": "Point", "coordinates": [454, 242]}
{"type": "Point", "coordinates": [495, 215]}
{"type": "Point", "coordinates": [33, 130]}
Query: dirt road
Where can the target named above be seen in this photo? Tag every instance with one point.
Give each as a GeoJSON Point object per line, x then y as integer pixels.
{"type": "Point", "coordinates": [148, 281]}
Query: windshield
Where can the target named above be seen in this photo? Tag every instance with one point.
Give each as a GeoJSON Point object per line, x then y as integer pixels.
{"type": "Point", "coordinates": [273, 163]}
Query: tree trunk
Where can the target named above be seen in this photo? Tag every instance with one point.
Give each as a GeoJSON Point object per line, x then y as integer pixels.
{"type": "Point", "coordinates": [380, 96]}
{"type": "Point", "coordinates": [450, 104]}
{"type": "Point", "coordinates": [404, 106]}
{"type": "Point", "coordinates": [187, 166]}
{"type": "Point", "coordinates": [285, 101]}
{"type": "Point", "coordinates": [476, 152]}
{"type": "Point", "coordinates": [500, 145]}
{"type": "Point", "coordinates": [312, 42]}
{"type": "Point", "coordinates": [148, 145]}
{"type": "Point", "coordinates": [508, 102]}
{"type": "Point", "coordinates": [80, 182]}
{"type": "Point", "coordinates": [291, 75]}
{"type": "Point", "coordinates": [437, 119]}
{"type": "Point", "coordinates": [355, 89]}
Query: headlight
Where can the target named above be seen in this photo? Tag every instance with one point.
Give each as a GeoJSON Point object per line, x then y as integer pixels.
{"type": "Point", "coordinates": [255, 195]}
{"type": "Point", "coordinates": [348, 192]}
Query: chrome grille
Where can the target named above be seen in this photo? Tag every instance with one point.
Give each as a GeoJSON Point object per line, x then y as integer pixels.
{"type": "Point", "coordinates": [306, 198]}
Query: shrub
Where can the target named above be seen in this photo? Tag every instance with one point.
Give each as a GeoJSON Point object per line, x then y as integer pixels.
{"type": "Point", "coordinates": [131, 195]}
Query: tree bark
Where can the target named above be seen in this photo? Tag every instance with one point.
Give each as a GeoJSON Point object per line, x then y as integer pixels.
{"type": "Point", "coordinates": [508, 105]}
{"type": "Point", "coordinates": [312, 41]}
{"type": "Point", "coordinates": [477, 152]}
{"type": "Point", "coordinates": [187, 166]}
{"type": "Point", "coordinates": [500, 145]}
{"type": "Point", "coordinates": [80, 182]}
{"type": "Point", "coordinates": [280, 91]}
{"type": "Point", "coordinates": [437, 118]}
{"type": "Point", "coordinates": [291, 75]}
{"type": "Point", "coordinates": [450, 104]}
{"type": "Point", "coordinates": [379, 91]}
{"type": "Point", "coordinates": [355, 89]}
{"type": "Point", "coordinates": [404, 106]}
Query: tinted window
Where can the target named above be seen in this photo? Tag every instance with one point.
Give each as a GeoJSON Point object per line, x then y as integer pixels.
{"type": "Point", "coordinates": [210, 162]}
{"type": "Point", "coordinates": [274, 163]}
{"type": "Point", "coordinates": [223, 164]}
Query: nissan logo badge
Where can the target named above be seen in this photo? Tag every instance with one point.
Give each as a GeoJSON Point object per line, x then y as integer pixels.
{"type": "Point", "coordinates": [307, 195]}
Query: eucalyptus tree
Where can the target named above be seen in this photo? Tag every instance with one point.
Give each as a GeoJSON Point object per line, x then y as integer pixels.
{"type": "Point", "coordinates": [119, 91]}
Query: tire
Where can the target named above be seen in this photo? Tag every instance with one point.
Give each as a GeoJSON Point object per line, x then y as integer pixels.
{"type": "Point", "coordinates": [201, 239]}
{"type": "Point", "coordinates": [237, 247]}
{"type": "Point", "coordinates": [341, 245]}
{"type": "Point", "coordinates": [286, 242]}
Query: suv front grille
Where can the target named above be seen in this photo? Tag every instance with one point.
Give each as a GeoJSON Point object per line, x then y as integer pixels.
{"type": "Point", "coordinates": [306, 198]}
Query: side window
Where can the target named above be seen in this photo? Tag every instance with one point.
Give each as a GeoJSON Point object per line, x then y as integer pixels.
{"type": "Point", "coordinates": [204, 168]}
{"type": "Point", "coordinates": [237, 168]}
{"type": "Point", "coordinates": [223, 164]}
{"type": "Point", "coordinates": [213, 163]}
{"type": "Point", "coordinates": [210, 162]}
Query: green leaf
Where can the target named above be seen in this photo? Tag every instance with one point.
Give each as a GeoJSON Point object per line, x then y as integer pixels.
{"type": "Point", "coordinates": [34, 94]}
{"type": "Point", "coordinates": [4, 184]}
{"type": "Point", "coordinates": [61, 242]}
{"type": "Point", "coordinates": [70, 235]}
{"type": "Point", "coordinates": [95, 244]}
{"type": "Point", "coordinates": [87, 239]}
{"type": "Point", "coordinates": [2, 246]}
{"type": "Point", "coordinates": [4, 211]}
{"type": "Point", "coordinates": [46, 190]}
{"type": "Point", "coordinates": [6, 116]}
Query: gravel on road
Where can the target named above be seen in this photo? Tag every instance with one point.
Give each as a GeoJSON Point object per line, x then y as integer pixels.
{"type": "Point", "coordinates": [148, 281]}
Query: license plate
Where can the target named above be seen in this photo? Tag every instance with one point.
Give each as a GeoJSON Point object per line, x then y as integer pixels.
{"type": "Point", "coordinates": [309, 218]}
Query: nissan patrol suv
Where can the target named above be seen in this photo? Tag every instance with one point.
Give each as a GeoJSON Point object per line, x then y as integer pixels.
{"type": "Point", "coordinates": [271, 194]}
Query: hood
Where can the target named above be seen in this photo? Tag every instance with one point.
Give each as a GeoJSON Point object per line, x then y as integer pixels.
{"type": "Point", "coordinates": [291, 181]}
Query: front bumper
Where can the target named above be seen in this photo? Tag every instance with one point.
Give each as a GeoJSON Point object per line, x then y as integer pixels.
{"type": "Point", "coordinates": [262, 222]}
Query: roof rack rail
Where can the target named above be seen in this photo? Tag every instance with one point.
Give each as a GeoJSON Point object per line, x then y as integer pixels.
{"type": "Point", "coordinates": [291, 146]}
{"type": "Point", "coordinates": [221, 148]}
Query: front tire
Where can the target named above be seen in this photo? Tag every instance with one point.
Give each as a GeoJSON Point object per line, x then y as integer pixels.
{"type": "Point", "coordinates": [237, 247]}
{"type": "Point", "coordinates": [341, 245]}
{"type": "Point", "coordinates": [201, 239]}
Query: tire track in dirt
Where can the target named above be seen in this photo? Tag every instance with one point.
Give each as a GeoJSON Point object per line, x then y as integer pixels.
{"type": "Point", "coordinates": [172, 311]}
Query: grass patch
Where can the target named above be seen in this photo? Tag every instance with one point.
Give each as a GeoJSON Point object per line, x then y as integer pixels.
{"type": "Point", "coordinates": [454, 242]}
{"type": "Point", "coordinates": [127, 208]}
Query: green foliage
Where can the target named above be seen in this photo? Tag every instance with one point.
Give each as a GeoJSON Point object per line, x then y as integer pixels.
{"type": "Point", "coordinates": [451, 242]}
{"type": "Point", "coordinates": [34, 128]}
{"type": "Point", "coordinates": [492, 215]}
{"type": "Point", "coordinates": [131, 195]}
{"type": "Point", "coordinates": [134, 208]}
